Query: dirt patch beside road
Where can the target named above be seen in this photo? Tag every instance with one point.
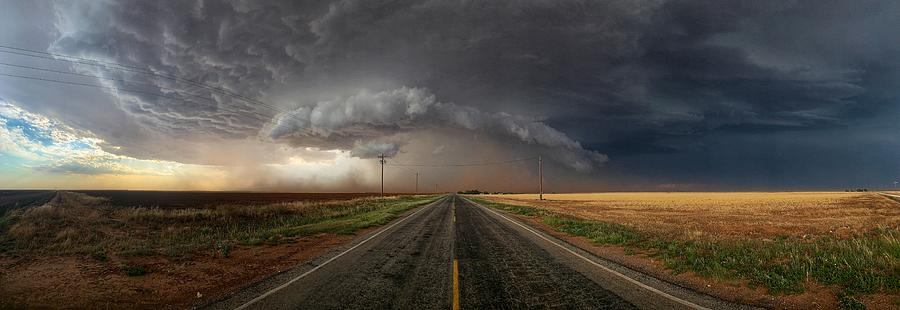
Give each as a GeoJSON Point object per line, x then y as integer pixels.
{"type": "Point", "coordinates": [81, 251]}
{"type": "Point", "coordinates": [82, 282]}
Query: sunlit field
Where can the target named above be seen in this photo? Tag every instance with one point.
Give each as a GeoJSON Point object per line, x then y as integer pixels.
{"type": "Point", "coordinates": [743, 214]}
{"type": "Point", "coordinates": [798, 246]}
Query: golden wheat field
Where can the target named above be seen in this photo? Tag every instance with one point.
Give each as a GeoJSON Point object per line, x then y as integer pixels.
{"type": "Point", "coordinates": [739, 214]}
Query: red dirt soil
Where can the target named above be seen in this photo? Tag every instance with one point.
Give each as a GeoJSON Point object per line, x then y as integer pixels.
{"type": "Point", "coordinates": [82, 282]}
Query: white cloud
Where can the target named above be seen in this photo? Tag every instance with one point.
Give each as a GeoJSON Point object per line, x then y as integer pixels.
{"type": "Point", "coordinates": [51, 146]}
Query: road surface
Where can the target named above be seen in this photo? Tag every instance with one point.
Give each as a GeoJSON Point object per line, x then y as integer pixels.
{"type": "Point", "coordinates": [456, 254]}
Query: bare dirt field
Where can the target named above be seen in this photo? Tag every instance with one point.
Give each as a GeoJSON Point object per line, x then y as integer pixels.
{"type": "Point", "coordinates": [75, 281]}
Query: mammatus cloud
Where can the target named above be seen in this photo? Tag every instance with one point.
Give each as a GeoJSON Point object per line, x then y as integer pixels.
{"type": "Point", "coordinates": [370, 115]}
{"type": "Point", "coordinates": [235, 47]}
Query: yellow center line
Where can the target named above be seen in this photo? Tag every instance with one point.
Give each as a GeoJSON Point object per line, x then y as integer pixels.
{"type": "Point", "coordinates": [453, 211]}
{"type": "Point", "coordinates": [455, 285]}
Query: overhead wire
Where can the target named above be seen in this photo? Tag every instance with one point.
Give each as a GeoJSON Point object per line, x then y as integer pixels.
{"type": "Point", "coordinates": [401, 165]}
{"type": "Point", "coordinates": [467, 164]}
{"type": "Point", "coordinates": [105, 78]}
{"type": "Point", "coordinates": [107, 65]}
{"type": "Point", "coordinates": [121, 89]}
{"type": "Point", "coordinates": [129, 68]}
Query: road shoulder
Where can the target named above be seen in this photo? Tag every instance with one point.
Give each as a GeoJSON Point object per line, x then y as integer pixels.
{"type": "Point", "coordinates": [645, 291]}
{"type": "Point", "coordinates": [254, 290]}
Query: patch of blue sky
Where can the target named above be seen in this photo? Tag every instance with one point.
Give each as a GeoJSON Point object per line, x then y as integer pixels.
{"type": "Point", "coordinates": [32, 143]}
{"type": "Point", "coordinates": [10, 163]}
{"type": "Point", "coordinates": [80, 145]}
{"type": "Point", "coordinates": [30, 132]}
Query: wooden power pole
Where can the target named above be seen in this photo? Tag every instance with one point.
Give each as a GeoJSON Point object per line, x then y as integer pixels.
{"type": "Point", "coordinates": [382, 161]}
{"type": "Point", "coordinates": [417, 183]}
{"type": "Point", "coordinates": [541, 176]}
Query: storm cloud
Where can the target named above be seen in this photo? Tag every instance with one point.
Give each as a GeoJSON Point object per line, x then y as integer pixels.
{"type": "Point", "coordinates": [646, 91]}
{"type": "Point", "coordinates": [368, 115]}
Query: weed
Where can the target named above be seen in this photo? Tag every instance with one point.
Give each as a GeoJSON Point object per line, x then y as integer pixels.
{"type": "Point", "coordinates": [253, 241]}
{"type": "Point", "coordinates": [137, 250]}
{"type": "Point", "coordinates": [99, 255]}
{"type": "Point", "coordinates": [223, 248]}
{"type": "Point", "coordinates": [134, 270]}
{"type": "Point", "coordinates": [849, 302]}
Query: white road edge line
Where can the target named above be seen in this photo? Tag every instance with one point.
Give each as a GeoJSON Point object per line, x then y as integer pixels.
{"type": "Point", "coordinates": [272, 291]}
{"type": "Point", "coordinates": [636, 282]}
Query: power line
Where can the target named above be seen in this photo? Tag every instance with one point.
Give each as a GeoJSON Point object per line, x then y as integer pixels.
{"type": "Point", "coordinates": [129, 90]}
{"type": "Point", "coordinates": [91, 85]}
{"type": "Point", "coordinates": [411, 171]}
{"type": "Point", "coordinates": [133, 69]}
{"type": "Point", "coordinates": [402, 165]}
{"type": "Point", "coordinates": [466, 164]}
{"type": "Point", "coordinates": [104, 78]}
{"type": "Point", "coordinates": [65, 56]}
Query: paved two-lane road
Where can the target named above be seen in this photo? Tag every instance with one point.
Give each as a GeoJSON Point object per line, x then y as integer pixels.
{"type": "Point", "coordinates": [454, 253]}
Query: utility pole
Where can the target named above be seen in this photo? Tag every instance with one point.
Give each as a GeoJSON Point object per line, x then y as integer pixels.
{"type": "Point", "coordinates": [417, 183]}
{"type": "Point", "coordinates": [435, 188]}
{"type": "Point", "coordinates": [382, 161]}
{"type": "Point", "coordinates": [541, 175]}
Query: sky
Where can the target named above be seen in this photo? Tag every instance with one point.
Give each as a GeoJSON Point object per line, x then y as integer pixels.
{"type": "Point", "coordinates": [302, 96]}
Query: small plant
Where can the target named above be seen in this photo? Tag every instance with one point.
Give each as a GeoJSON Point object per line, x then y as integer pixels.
{"type": "Point", "coordinates": [174, 251]}
{"type": "Point", "coordinates": [134, 270]}
{"type": "Point", "coordinates": [99, 255]}
{"type": "Point", "coordinates": [139, 250]}
{"type": "Point", "coordinates": [223, 248]}
{"type": "Point", "coordinates": [253, 241]}
{"type": "Point", "coordinates": [849, 302]}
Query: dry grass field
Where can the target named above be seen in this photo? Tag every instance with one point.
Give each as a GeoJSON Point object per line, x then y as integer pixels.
{"type": "Point", "coordinates": [81, 251]}
{"type": "Point", "coordinates": [800, 248]}
{"type": "Point", "coordinates": [724, 214]}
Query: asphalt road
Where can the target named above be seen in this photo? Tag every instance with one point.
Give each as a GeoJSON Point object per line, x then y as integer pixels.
{"type": "Point", "coordinates": [456, 254]}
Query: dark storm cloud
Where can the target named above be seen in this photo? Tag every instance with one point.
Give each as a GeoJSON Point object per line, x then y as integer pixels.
{"type": "Point", "coordinates": [678, 67]}
{"type": "Point", "coordinates": [368, 115]}
{"type": "Point", "coordinates": [232, 47]}
{"type": "Point", "coordinates": [622, 77]}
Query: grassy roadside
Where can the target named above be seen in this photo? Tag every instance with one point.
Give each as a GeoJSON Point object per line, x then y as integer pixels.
{"type": "Point", "coordinates": [862, 265]}
{"type": "Point", "coordinates": [77, 224]}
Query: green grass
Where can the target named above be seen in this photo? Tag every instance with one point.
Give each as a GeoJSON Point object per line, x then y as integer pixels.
{"type": "Point", "coordinates": [80, 224]}
{"type": "Point", "coordinates": [862, 265]}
